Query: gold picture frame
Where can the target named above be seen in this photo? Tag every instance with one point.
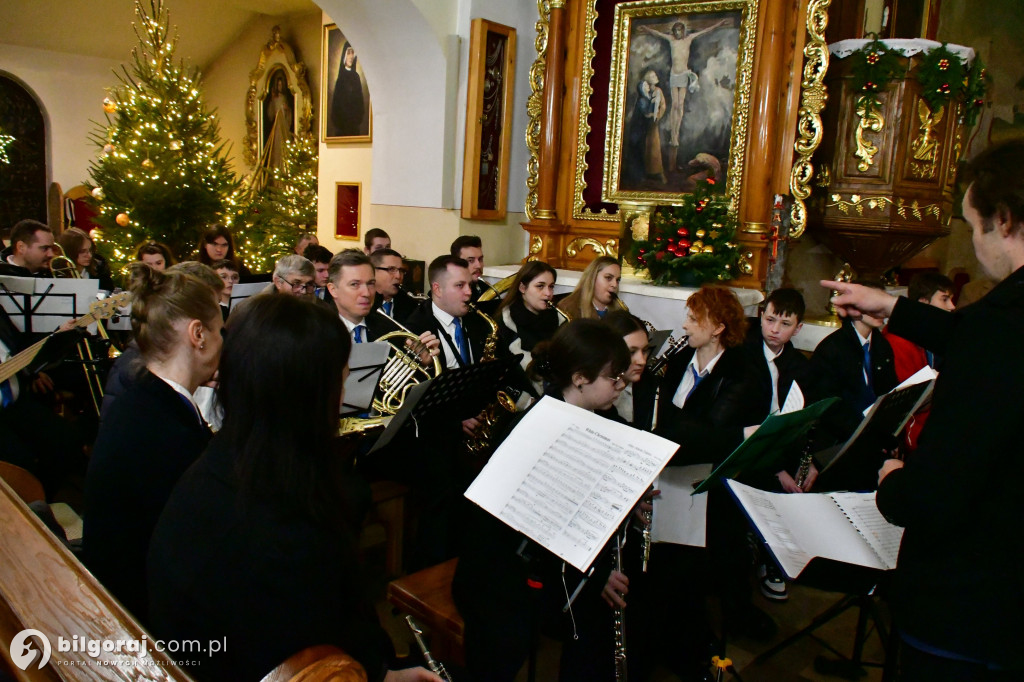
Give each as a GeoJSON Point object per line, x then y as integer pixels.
{"type": "Point", "coordinates": [346, 115]}
{"type": "Point", "coordinates": [489, 93]}
{"type": "Point", "coordinates": [265, 99]}
{"type": "Point", "coordinates": [681, 77]}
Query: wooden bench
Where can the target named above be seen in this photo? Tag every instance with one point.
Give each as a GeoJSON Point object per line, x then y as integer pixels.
{"type": "Point", "coordinates": [322, 663]}
{"type": "Point", "coordinates": [427, 596]}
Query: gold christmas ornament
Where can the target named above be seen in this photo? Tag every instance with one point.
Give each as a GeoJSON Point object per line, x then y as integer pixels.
{"type": "Point", "coordinates": [147, 164]}
{"type": "Point", "coordinates": [121, 219]}
{"type": "Point", "coordinates": [700, 234]}
{"type": "Point", "coordinates": [108, 148]}
{"type": "Point", "coordinates": [709, 249]}
{"type": "Point", "coordinates": [641, 228]}
{"type": "Point", "coordinates": [696, 247]}
{"type": "Point", "coordinates": [714, 234]}
{"type": "Point", "coordinates": [97, 193]}
{"type": "Point", "coordinates": [109, 105]}
{"type": "Point", "coordinates": [174, 145]}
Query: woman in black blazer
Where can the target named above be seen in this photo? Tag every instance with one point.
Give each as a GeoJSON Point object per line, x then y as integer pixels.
{"type": "Point", "coordinates": [635, 405]}
{"type": "Point", "coordinates": [258, 542]}
{"type": "Point", "coordinates": [524, 317]}
{"type": "Point", "coordinates": [153, 432]}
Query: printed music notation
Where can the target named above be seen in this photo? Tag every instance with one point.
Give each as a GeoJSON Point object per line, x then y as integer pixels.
{"type": "Point", "coordinates": [566, 478]}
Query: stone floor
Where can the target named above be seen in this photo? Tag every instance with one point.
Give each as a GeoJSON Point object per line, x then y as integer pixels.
{"type": "Point", "coordinates": [794, 664]}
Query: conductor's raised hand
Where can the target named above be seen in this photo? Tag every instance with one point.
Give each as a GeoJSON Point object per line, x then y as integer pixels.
{"type": "Point", "coordinates": [854, 300]}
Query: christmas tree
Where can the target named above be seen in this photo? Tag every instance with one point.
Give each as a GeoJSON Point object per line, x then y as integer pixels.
{"type": "Point", "coordinates": [271, 218]}
{"type": "Point", "coordinates": [161, 173]}
{"type": "Point", "coordinates": [687, 244]}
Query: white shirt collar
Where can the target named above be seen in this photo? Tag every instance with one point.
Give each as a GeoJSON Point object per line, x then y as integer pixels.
{"type": "Point", "coordinates": [863, 340]}
{"type": "Point", "coordinates": [769, 354]}
{"type": "Point", "coordinates": [352, 325]}
{"type": "Point", "coordinates": [711, 365]}
{"type": "Point", "coordinates": [181, 390]}
{"type": "Point", "coordinates": [444, 318]}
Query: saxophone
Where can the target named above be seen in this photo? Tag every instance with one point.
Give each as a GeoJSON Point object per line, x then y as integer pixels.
{"type": "Point", "coordinates": [481, 442]}
{"type": "Point", "coordinates": [620, 621]}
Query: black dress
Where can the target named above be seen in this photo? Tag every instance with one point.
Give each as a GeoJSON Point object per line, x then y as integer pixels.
{"type": "Point", "coordinates": [270, 583]}
{"type": "Point", "coordinates": [147, 440]}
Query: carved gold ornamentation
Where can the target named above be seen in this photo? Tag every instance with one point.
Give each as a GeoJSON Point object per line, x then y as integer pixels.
{"type": "Point", "coordinates": [579, 206]}
{"type": "Point", "coordinates": [925, 147]}
{"type": "Point", "coordinates": [609, 248]}
{"type": "Point", "coordinates": [274, 53]}
{"type": "Point", "coordinates": [824, 177]}
{"type": "Point", "coordinates": [958, 146]}
{"type": "Point", "coordinates": [746, 264]}
{"type": "Point", "coordinates": [858, 204]}
{"type": "Point", "coordinates": [622, 36]}
{"type": "Point", "coordinates": [870, 121]}
{"type": "Point", "coordinates": [536, 246]}
{"type": "Point", "coordinates": [535, 106]}
{"type": "Point", "coordinates": [812, 100]}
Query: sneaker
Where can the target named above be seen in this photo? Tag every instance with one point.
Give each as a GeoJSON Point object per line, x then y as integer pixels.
{"type": "Point", "coordinates": [773, 584]}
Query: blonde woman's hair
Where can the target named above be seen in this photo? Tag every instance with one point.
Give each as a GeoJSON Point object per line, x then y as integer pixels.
{"type": "Point", "coordinates": [580, 303]}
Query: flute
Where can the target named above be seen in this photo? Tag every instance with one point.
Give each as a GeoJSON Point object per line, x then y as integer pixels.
{"type": "Point", "coordinates": [433, 664]}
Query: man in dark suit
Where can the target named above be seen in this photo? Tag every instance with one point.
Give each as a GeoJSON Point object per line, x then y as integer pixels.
{"type": "Point", "coordinates": [854, 363]}
{"type": "Point", "coordinates": [320, 257]}
{"type": "Point", "coordinates": [396, 303]}
{"type": "Point", "coordinates": [30, 252]}
{"type": "Point", "coordinates": [445, 314]}
{"type": "Point", "coordinates": [469, 248]}
{"type": "Point", "coordinates": [957, 593]}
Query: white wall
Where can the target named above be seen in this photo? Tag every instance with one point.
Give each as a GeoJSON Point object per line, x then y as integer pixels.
{"type": "Point", "coordinates": [70, 89]}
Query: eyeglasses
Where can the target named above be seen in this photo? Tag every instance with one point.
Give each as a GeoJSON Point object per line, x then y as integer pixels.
{"type": "Point", "coordinates": [617, 380]}
{"type": "Point", "coordinates": [301, 287]}
{"type": "Point", "coordinates": [393, 269]}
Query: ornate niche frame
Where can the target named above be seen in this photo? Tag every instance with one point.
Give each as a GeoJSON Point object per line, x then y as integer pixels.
{"type": "Point", "coordinates": [275, 58]}
{"type": "Point", "coordinates": [492, 58]}
{"type": "Point", "coordinates": [716, 38]}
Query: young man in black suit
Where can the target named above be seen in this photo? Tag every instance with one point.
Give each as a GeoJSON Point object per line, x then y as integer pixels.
{"type": "Point", "coordinates": [447, 314]}
{"type": "Point", "coordinates": [390, 270]}
{"type": "Point", "coordinates": [375, 240]}
{"type": "Point", "coordinates": [957, 592]}
{"type": "Point", "coordinates": [30, 252]}
{"type": "Point", "coordinates": [320, 257]}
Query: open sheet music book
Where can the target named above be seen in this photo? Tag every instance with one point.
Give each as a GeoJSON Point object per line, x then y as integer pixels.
{"type": "Point", "coordinates": [844, 527]}
{"type": "Point", "coordinates": [566, 478]}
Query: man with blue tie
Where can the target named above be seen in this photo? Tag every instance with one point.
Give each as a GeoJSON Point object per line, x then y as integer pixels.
{"type": "Point", "coordinates": [462, 336]}
{"type": "Point", "coordinates": [391, 298]}
{"type": "Point", "coordinates": [352, 285]}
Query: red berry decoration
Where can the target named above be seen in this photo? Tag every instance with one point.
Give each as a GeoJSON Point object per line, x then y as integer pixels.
{"type": "Point", "coordinates": [943, 64]}
{"type": "Point", "coordinates": [660, 255]}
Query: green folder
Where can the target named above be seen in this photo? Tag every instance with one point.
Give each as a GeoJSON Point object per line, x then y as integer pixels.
{"type": "Point", "coordinates": [768, 445]}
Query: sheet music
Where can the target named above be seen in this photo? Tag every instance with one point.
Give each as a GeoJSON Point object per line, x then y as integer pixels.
{"type": "Point", "coordinates": [47, 302]}
{"type": "Point", "coordinates": [794, 399]}
{"type": "Point", "coordinates": [679, 516]}
{"type": "Point", "coordinates": [922, 375]}
{"type": "Point", "coordinates": [566, 478]}
{"type": "Point", "coordinates": [798, 527]}
{"type": "Point", "coordinates": [883, 536]}
{"type": "Point", "coordinates": [365, 363]}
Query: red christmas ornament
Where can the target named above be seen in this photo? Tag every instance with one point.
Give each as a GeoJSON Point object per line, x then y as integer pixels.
{"type": "Point", "coordinates": [684, 244]}
{"type": "Point", "coordinates": [943, 64]}
{"type": "Point", "coordinates": [711, 181]}
{"type": "Point", "coordinates": [682, 232]}
{"type": "Point", "coordinates": [660, 255]}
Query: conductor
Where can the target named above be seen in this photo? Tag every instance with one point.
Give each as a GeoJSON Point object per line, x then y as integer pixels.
{"type": "Point", "coordinates": [958, 593]}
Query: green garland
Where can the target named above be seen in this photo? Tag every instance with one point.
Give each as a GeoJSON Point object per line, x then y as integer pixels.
{"type": "Point", "coordinates": [943, 77]}
{"type": "Point", "coordinates": [688, 244]}
{"type": "Point", "coordinates": [874, 67]}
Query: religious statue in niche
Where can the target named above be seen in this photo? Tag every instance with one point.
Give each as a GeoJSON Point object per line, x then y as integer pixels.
{"type": "Point", "coordinates": [346, 111]}
{"type": "Point", "coordinates": [278, 117]}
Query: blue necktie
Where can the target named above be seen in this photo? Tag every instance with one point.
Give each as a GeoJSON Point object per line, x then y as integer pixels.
{"type": "Point", "coordinates": [319, 293]}
{"type": "Point", "coordinates": [358, 333]}
{"type": "Point", "coordinates": [6, 394]}
{"type": "Point", "coordinates": [697, 378]}
{"type": "Point", "coordinates": [387, 307]}
{"type": "Point", "coordinates": [460, 341]}
{"type": "Point", "coordinates": [602, 313]}
{"type": "Point", "coordinates": [867, 362]}
{"type": "Point", "coordinates": [931, 358]}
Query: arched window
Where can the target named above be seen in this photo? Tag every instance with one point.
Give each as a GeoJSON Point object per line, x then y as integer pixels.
{"type": "Point", "coordinates": [23, 177]}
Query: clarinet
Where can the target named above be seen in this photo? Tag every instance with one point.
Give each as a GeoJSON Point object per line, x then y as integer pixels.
{"type": "Point", "coordinates": [620, 621]}
{"type": "Point", "coordinates": [434, 665]}
{"type": "Point", "coordinates": [805, 461]}
{"type": "Point", "coordinates": [645, 538]}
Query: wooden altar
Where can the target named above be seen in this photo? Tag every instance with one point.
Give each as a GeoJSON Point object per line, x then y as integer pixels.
{"type": "Point", "coordinates": [568, 222]}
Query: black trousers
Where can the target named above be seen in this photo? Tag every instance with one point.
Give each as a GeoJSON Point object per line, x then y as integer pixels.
{"type": "Point", "coordinates": [920, 666]}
